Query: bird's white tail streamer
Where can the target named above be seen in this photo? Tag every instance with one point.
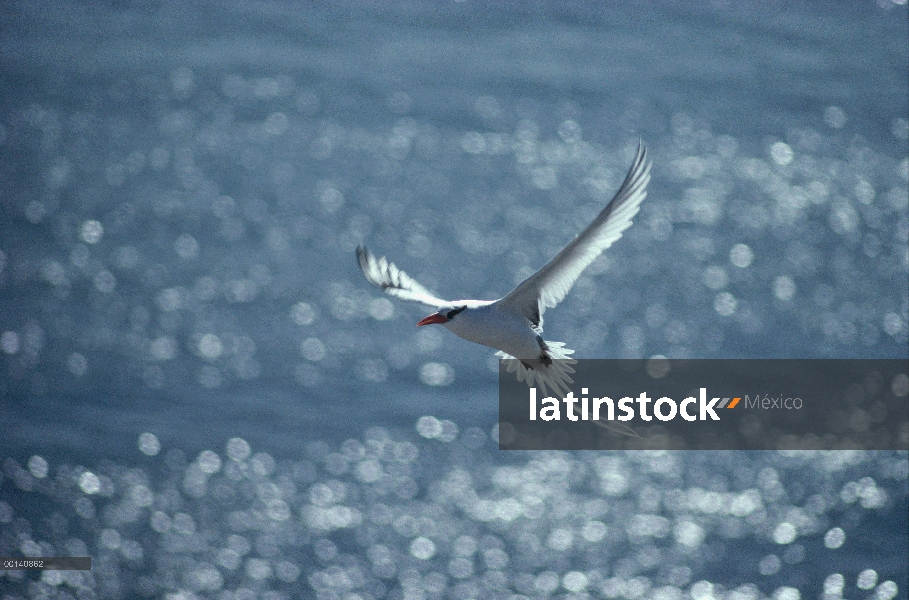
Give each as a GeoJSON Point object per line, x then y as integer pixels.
{"type": "Point", "coordinates": [554, 375]}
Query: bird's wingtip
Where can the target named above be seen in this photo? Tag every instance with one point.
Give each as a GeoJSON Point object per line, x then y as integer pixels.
{"type": "Point", "coordinates": [363, 257]}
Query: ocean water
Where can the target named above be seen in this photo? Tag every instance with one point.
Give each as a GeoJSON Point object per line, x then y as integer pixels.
{"type": "Point", "coordinates": [199, 390]}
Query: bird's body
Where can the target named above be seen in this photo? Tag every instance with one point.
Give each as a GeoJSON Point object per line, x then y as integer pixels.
{"type": "Point", "coordinates": [491, 326]}
{"type": "Point", "coordinates": [513, 324]}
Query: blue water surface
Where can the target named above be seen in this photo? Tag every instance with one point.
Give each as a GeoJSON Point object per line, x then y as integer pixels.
{"type": "Point", "coordinates": [199, 390]}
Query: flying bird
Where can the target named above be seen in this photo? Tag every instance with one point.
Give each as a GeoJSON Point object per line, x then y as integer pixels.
{"type": "Point", "coordinates": [514, 324]}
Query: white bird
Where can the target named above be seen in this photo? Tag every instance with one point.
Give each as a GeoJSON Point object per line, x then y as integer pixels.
{"type": "Point", "coordinates": [513, 324]}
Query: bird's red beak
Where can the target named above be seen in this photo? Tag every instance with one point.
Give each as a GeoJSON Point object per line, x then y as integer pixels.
{"type": "Point", "coordinates": [432, 319]}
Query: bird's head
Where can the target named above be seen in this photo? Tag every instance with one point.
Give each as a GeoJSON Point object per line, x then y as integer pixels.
{"type": "Point", "coordinates": [443, 316]}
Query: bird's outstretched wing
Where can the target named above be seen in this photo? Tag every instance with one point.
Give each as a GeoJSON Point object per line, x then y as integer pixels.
{"type": "Point", "coordinates": [394, 281]}
{"type": "Point", "coordinates": [548, 286]}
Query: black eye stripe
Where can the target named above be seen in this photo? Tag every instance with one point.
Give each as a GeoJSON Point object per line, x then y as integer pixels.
{"type": "Point", "coordinates": [451, 314]}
